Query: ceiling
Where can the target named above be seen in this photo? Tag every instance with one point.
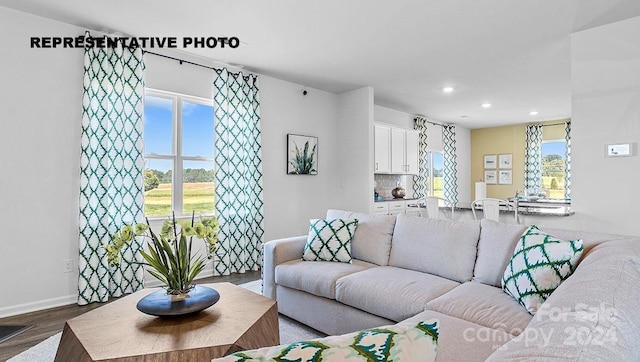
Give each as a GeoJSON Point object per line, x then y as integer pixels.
{"type": "Point", "coordinates": [514, 54]}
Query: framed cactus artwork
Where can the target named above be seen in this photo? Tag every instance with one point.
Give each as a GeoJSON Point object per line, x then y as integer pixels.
{"type": "Point", "coordinates": [302, 155]}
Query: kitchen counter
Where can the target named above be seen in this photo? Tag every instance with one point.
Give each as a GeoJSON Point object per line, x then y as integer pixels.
{"type": "Point", "coordinates": [541, 207]}
{"type": "Point", "coordinates": [387, 199]}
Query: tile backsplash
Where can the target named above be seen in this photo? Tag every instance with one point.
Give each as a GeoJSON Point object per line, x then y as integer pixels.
{"type": "Point", "coordinates": [385, 183]}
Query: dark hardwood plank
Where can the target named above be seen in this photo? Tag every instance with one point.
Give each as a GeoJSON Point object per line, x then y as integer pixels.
{"type": "Point", "coordinates": [51, 321]}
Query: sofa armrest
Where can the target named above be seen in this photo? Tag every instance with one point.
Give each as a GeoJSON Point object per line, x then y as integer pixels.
{"type": "Point", "coordinates": [276, 252]}
{"type": "Point", "coordinates": [593, 315]}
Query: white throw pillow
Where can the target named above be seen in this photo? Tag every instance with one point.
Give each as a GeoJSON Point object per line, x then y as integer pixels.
{"type": "Point", "coordinates": [330, 240]}
{"type": "Point", "coordinates": [540, 263]}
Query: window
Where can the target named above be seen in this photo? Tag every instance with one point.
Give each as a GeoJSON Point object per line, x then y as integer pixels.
{"type": "Point", "coordinates": [553, 167]}
{"type": "Point", "coordinates": [435, 180]}
{"type": "Point", "coordinates": [178, 151]}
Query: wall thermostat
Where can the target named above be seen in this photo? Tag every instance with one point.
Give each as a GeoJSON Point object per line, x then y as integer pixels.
{"type": "Point", "coordinates": [620, 150]}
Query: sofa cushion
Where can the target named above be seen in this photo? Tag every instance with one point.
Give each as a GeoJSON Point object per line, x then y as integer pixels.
{"type": "Point", "coordinates": [372, 239]}
{"type": "Point", "coordinates": [461, 340]}
{"type": "Point", "coordinates": [484, 305]}
{"type": "Point", "coordinates": [316, 277]}
{"type": "Point", "coordinates": [438, 247]}
{"type": "Point", "coordinates": [539, 264]}
{"type": "Point", "coordinates": [390, 292]}
{"type": "Point", "coordinates": [330, 240]}
{"type": "Point", "coordinates": [495, 249]}
{"type": "Point", "coordinates": [408, 342]}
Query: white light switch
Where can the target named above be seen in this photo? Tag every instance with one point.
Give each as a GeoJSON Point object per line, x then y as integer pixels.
{"type": "Point", "coordinates": [620, 150]}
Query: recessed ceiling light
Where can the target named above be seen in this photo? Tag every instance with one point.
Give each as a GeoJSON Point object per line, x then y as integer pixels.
{"type": "Point", "coordinates": [486, 105]}
{"type": "Point", "coordinates": [447, 89]}
{"type": "Point", "coordinates": [533, 113]}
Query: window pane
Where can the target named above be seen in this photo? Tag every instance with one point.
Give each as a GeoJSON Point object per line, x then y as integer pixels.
{"type": "Point", "coordinates": [438, 174]}
{"type": "Point", "coordinates": [553, 168]}
{"type": "Point", "coordinates": [158, 125]}
{"type": "Point", "coordinates": [197, 187]}
{"type": "Point", "coordinates": [197, 130]}
{"type": "Point", "coordinates": [157, 186]}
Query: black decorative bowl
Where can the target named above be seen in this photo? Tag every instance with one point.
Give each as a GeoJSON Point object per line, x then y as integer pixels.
{"type": "Point", "coordinates": [161, 304]}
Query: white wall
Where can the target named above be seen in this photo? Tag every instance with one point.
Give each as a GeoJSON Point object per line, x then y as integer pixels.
{"type": "Point", "coordinates": [391, 116]}
{"type": "Point", "coordinates": [291, 200]}
{"type": "Point", "coordinates": [606, 109]}
{"type": "Point", "coordinates": [354, 190]}
{"type": "Point", "coordinates": [41, 92]}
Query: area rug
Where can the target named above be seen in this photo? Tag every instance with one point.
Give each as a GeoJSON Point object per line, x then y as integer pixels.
{"type": "Point", "coordinates": [290, 331]}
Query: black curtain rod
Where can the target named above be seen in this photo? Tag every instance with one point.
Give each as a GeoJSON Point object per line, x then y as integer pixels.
{"type": "Point", "coordinates": [179, 60]}
{"type": "Point", "coordinates": [438, 124]}
{"type": "Point", "coordinates": [432, 122]}
{"type": "Point", "coordinates": [555, 124]}
{"type": "Point", "coordinates": [217, 70]}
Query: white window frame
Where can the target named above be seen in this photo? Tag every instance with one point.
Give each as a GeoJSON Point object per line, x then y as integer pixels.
{"type": "Point", "coordinates": [176, 147]}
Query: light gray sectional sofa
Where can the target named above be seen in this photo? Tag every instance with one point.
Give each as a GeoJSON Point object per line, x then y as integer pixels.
{"type": "Point", "coordinates": [412, 268]}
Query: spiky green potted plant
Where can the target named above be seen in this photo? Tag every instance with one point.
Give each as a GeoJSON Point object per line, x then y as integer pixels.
{"type": "Point", "coordinates": [302, 161]}
{"type": "Point", "coordinates": [168, 255]}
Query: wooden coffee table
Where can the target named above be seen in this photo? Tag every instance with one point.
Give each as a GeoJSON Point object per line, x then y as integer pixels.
{"type": "Point", "coordinates": [117, 331]}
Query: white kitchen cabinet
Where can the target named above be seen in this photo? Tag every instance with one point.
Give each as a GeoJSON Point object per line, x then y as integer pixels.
{"type": "Point", "coordinates": [380, 208]}
{"type": "Point", "coordinates": [412, 140]}
{"type": "Point", "coordinates": [382, 150]}
{"type": "Point", "coordinates": [398, 147]}
{"type": "Point", "coordinates": [395, 150]}
{"type": "Point", "coordinates": [396, 207]}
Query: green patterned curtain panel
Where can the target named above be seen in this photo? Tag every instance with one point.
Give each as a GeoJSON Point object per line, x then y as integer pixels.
{"type": "Point", "coordinates": [533, 158]}
{"type": "Point", "coordinates": [450, 163]}
{"type": "Point", "coordinates": [238, 174]}
{"type": "Point", "coordinates": [111, 182]}
{"type": "Point", "coordinates": [567, 175]}
{"type": "Point", "coordinates": [420, 181]}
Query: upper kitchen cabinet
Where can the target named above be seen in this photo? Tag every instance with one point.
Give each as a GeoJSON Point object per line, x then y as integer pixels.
{"type": "Point", "coordinates": [395, 150]}
{"type": "Point", "coordinates": [412, 158]}
{"type": "Point", "coordinates": [382, 149]}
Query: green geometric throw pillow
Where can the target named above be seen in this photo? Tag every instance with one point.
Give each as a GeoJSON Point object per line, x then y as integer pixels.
{"type": "Point", "coordinates": [329, 240]}
{"type": "Point", "coordinates": [540, 263]}
{"type": "Point", "coordinates": [403, 342]}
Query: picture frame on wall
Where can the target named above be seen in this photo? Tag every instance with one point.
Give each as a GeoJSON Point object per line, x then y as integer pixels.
{"type": "Point", "coordinates": [302, 155]}
{"type": "Point", "coordinates": [490, 161]}
{"type": "Point", "coordinates": [490, 177]}
{"type": "Point", "coordinates": [505, 177]}
{"type": "Point", "coordinates": [505, 161]}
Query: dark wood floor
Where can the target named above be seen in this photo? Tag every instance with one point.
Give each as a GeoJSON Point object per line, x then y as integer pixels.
{"type": "Point", "coordinates": [51, 321]}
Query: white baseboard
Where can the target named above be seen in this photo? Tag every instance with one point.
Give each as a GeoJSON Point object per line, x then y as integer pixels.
{"type": "Point", "coordinates": [150, 282]}
{"type": "Point", "coordinates": [37, 306]}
